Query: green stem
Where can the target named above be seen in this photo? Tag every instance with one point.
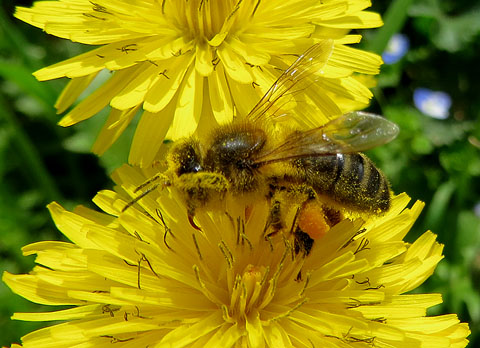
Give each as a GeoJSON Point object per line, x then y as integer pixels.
{"type": "Point", "coordinates": [394, 19]}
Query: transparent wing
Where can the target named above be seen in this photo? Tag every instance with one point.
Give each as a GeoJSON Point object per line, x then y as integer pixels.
{"type": "Point", "coordinates": [293, 82]}
{"type": "Point", "coordinates": [352, 132]}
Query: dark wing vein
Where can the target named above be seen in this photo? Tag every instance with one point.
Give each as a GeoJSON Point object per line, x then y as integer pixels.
{"type": "Point", "coordinates": [349, 133]}
{"type": "Point", "coordinates": [297, 77]}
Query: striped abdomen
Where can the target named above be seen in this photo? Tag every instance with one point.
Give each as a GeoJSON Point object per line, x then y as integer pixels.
{"type": "Point", "coordinates": [349, 179]}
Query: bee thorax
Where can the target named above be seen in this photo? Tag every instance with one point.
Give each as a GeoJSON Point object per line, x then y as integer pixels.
{"type": "Point", "coordinates": [232, 153]}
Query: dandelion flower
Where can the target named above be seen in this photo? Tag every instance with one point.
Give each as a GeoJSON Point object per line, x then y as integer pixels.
{"type": "Point", "coordinates": [146, 277]}
{"type": "Point", "coordinates": [191, 64]}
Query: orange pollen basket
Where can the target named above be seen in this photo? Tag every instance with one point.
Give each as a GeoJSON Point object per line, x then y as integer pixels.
{"type": "Point", "coordinates": [312, 220]}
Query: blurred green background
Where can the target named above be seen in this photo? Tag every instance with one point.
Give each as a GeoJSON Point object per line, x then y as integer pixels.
{"type": "Point", "coordinates": [433, 160]}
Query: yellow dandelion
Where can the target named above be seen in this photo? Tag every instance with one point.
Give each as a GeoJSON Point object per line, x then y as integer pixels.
{"type": "Point", "coordinates": [197, 63]}
{"type": "Point", "coordinates": [147, 278]}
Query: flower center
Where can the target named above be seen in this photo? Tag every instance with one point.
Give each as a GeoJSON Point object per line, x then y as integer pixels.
{"type": "Point", "coordinates": [247, 290]}
{"type": "Point", "coordinates": [256, 287]}
{"type": "Point", "coordinates": [258, 271]}
{"type": "Point", "coordinates": [202, 20]}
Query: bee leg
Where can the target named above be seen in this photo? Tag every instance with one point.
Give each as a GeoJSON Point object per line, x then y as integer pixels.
{"type": "Point", "coordinates": [310, 222]}
{"type": "Point", "coordinates": [332, 215]}
{"type": "Point", "coordinates": [302, 242]}
{"type": "Point", "coordinates": [139, 197]}
{"type": "Point", "coordinates": [280, 197]}
{"type": "Point", "coordinates": [311, 203]}
{"type": "Point", "coordinates": [201, 189]}
{"type": "Point", "coordinates": [152, 180]}
{"type": "Point", "coordinates": [274, 220]}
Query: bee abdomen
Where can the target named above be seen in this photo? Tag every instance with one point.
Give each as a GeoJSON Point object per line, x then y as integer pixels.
{"type": "Point", "coordinates": [349, 179]}
{"type": "Point", "coordinates": [361, 184]}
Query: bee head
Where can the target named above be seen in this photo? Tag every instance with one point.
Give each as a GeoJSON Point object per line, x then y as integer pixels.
{"type": "Point", "coordinates": [185, 158]}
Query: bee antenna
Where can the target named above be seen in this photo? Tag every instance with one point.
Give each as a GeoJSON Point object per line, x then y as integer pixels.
{"type": "Point", "coordinates": [139, 197]}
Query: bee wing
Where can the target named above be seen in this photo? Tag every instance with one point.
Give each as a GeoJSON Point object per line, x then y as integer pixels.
{"type": "Point", "coordinates": [293, 82]}
{"type": "Point", "coordinates": [353, 132]}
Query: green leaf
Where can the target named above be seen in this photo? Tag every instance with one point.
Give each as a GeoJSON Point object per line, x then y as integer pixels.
{"type": "Point", "coordinates": [462, 159]}
{"type": "Point", "coordinates": [467, 237]}
{"type": "Point", "coordinates": [442, 133]}
{"type": "Point", "coordinates": [421, 145]}
{"type": "Point", "coordinates": [437, 208]}
{"type": "Point", "coordinates": [451, 33]}
{"type": "Point", "coordinates": [23, 78]}
{"type": "Point", "coordinates": [456, 32]}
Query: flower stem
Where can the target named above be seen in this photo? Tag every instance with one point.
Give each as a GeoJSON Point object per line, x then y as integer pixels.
{"type": "Point", "coordinates": [394, 19]}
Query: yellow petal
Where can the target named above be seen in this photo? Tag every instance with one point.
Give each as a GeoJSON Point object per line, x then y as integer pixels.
{"type": "Point", "coordinates": [134, 92]}
{"type": "Point", "coordinates": [100, 98]}
{"type": "Point", "coordinates": [116, 123]}
{"type": "Point", "coordinates": [71, 225]}
{"type": "Point", "coordinates": [255, 332]}
{"type": "Point", "coordinates": [65, 314]}
{"type": "Point", "coordinates": [149, 135]}
{"type": "Point", "coordinates": [189, 105]}
{"type": "Point", "coordinates": [183, 335]}
{"type": "Point", "coordinates": [38, 291]}
{"type": "Point", "coordinates": [203, 60]}
{"type": "Point", "coordinates": [250, 55]}
{"type": "Point", "coordinates": [72, 91]}
{"type": "Point", "coordinates": [220, 96]}
{"type": "Point", "coordinates": [234, 65]}
{"type": "Point", "coordinates": [171, 77]}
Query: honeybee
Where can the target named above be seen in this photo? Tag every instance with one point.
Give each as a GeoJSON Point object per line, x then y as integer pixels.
{"type": "Point", "coordinates": [246, 157]}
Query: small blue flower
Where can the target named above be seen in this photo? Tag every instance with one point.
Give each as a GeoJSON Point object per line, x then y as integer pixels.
{"type": "Point", "coordinates": [432, 103]}
{"type": "Point", "coordinates": [397, 47]}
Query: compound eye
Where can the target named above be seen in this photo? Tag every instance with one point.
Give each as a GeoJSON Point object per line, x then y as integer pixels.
{"type": "Point", "coordinates": [187, 158]}
{"type": "Point", "coordinates": [191, 167]}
